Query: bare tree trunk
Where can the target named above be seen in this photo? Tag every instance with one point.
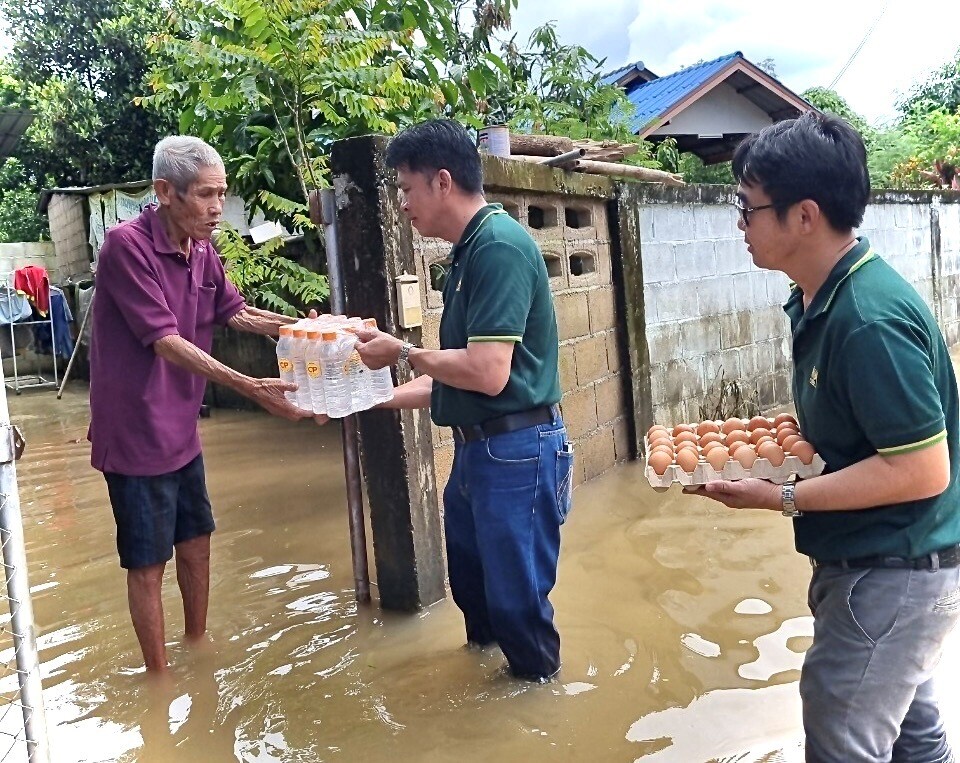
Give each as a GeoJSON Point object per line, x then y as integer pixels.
{"type": "Point", "coordinates": [540, 145]}
{"type": "Point", "coordinates": [627, 170]}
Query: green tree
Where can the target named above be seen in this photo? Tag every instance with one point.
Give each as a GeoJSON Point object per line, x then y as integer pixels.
{"type": "Point", "coordinates": [940, 90]}
{"type": "Point", "coordinates": [19, 220]}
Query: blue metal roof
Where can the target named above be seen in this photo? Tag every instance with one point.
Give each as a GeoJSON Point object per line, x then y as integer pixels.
{"type": "Point", "coordinates": [653, 99]}
{"type": "Point", "coordinates": [612, 77]}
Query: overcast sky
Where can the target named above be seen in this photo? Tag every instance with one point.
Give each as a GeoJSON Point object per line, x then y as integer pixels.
{"type": "Point", "coordinates": [809, 42]}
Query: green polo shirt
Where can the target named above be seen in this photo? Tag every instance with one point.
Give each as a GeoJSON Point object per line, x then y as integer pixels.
{"type": "Point", "coordinates": [498, 290]}
{"type": "Point", "coordinates": [872, 374]}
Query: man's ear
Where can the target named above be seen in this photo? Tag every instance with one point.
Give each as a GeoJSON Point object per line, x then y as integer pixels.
{"type": "Point", "coordinates": [445, 181]}
{"type": "Point", "coordinates": [809, 215]}
{"type": "Point", "coordinates": [164, 190]}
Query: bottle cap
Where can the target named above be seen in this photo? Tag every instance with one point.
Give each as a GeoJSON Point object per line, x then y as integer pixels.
{"type": "Point", "coordinates": [329, 336]}
{"type": "Point", "coordinates": [313, 334]}
{"type": "Point", "coordinates": [286, 331]}
{"type": "Point", "coordinates": [299, 333]}
{"type": "Point", "coordinates": [370, 322]}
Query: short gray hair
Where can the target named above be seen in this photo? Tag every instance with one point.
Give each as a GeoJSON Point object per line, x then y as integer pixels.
{"type": "Point", "coordinates": [179, 158]}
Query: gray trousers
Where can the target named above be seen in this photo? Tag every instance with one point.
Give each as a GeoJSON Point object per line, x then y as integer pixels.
{"type": "Point", "coordinates": [866, 683]}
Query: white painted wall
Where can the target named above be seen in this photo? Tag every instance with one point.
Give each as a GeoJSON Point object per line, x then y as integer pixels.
{"type": "Point", "coordinates": [722, 110]}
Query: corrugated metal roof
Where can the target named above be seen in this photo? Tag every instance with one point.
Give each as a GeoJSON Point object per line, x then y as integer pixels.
{"type": "Point", "coordinates": [133, 185]}
{"type": "Point", "coordinates": [612, 77]}
{"type": "Point", "coordinates": [13, 124]}
{"type": "Point", "coordinates": [652, 99]}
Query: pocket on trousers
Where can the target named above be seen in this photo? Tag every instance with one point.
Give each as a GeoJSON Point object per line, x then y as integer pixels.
{"type": "Point", "coordinates": [519, 447]}
{"type": "Point", "coordinates": [874, 603]}
{"type": "Point", "coordinates": [565, 480]}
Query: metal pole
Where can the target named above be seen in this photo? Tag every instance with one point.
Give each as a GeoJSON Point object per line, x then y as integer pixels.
{"type": "Point", "coordinates": [564, 159]}
{"type": "Point", "coordinates": [18, 589]}
{"type": "Point", "coordinates": [327, 212]}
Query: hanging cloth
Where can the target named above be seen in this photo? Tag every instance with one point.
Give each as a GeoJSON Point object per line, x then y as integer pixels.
{"type": "Point", "coordinates": [33, 281]}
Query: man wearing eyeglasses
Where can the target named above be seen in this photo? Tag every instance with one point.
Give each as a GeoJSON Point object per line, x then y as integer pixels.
{"type": "Point", "coordinates": [876, 395]}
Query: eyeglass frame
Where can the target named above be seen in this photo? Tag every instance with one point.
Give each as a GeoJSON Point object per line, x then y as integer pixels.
{"type": "Point", "coordinates": [744, 211]}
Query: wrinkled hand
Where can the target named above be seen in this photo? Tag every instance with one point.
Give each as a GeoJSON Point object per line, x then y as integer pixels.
{"type": "Point", "coordinates": [268, 393]}
{"type": "Point", "coordinates": [742, 494]}
{"type": "Point", "coordinates": [377, 349]}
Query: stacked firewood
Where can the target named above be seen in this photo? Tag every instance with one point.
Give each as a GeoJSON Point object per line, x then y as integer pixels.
{"type": "Point", "coordinates": [586, 155]}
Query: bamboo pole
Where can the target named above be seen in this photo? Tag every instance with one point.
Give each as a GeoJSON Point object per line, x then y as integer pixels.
{"type": "Point", "coordinates": [627, 170]}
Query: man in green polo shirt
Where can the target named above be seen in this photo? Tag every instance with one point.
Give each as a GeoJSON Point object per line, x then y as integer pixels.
{"type": "Point", "coordinates": [495, 381]}
{"type": "Point", "coordinates": [876, 395]}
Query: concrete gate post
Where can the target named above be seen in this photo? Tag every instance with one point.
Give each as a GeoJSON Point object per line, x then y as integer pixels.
{"type": "Point", "coordinates": [376, 245]}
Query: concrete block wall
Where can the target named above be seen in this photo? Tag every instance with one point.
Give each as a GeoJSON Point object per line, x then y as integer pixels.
{"type": "Point", "coordinates": [574, 238]}
{"type": "Point", "coordinates": [947, 218]}
{"type": "Point", "coordinates": [711, 314]}
{"type": "Point", "coordinates": [69, 231]}
{"type": "Point", "coordinates": [901, 234]}
{"type": "Point", "coordinates": [18, 255]}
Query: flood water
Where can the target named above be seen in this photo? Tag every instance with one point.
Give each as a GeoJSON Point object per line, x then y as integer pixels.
{"type": "Point", "coordinates": [683, 624]}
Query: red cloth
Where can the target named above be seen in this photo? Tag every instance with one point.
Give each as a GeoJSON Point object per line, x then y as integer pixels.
{"type": "Point", "coordinates": [33, 281]}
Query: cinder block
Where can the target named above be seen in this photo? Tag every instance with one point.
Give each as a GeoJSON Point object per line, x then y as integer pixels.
{"type": "Point", "coordinates": [749, 290]}
{"type": "Point", "coordinates": [442, 465]}
{"type": "Point", "coordinates": [714, 297]}
{"type": "Point", "coordinates": [572, 317]}
{"type": "Point", "coordinates": [602, 309]}
{"type": "Point", "coordinates": [591, 358]}
{"type": "Point", "coordinates": [430, 332]}
{"type": "Point", "coordinates": [598, 452]}
{"type": "Point", "coordinates": [732, 256]}
{"type": "Point", "coordinates": [673, 222]}
{"type": "Point", "coordinates": [568, 368]}
{"type": "Point", "coordinates": [622, 445]}
{"type": "Point", "coordinates": [713, 221]}
{"type": "Point", "coordinates": [613, 351]}
{"type": "Point", "coordinates": [580, 411]}
{"type": "Point", "coordinates": [663, 341]}
{"type": "Point", "coordinates": [700, 336]}
{"type": "Point", "coordinates": [610, 400]}
{"type": "Point", "coordinates": [725, 362]}
{"type": "Point", "coordinates": [735, 329]}
{"type": "Point", "coordinates": [659, 262]}
{"type": "Point", "coordinates": [695, 259]}
{"type": "Point", "coordinates": [675, 301]}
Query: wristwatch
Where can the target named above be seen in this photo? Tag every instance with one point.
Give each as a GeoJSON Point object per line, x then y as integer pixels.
{"type": "Point", "coordinates": [787, 490]}
{"type": "Point", "coordinates": [404, 356]}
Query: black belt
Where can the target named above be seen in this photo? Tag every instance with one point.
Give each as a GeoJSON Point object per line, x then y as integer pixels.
{"type": "Point", "coordinates": [944, 557]}
{"type": "Point", "coordinates": [509, 423]}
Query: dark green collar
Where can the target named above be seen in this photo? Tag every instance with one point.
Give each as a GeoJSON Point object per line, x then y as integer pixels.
{"type": "Point", "coordinates": [823, 299]}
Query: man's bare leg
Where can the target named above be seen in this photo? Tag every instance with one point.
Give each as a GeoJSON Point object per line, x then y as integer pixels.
{"type": "Point", "coordinates": [193, 576]}
{"type": "Point", "coordinates": [146, 610]}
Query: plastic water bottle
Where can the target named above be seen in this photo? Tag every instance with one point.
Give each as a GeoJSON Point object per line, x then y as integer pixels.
{"type": "Point", "coordinates": [334, 353]}
{"type": "Point", "coordinates": [359, 377]}
{"type": "Point", "coordinates": [285, 360]}
{"type": "Point", "coordinates": [314, 366]}
{"type": "Point", "coordinates": [300, 370]}
{"type": "Point", "coordinates": [381, 382]}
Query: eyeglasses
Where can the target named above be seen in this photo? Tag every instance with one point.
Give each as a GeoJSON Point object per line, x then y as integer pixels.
{"type": "Point", "coordinates": [745, 211]}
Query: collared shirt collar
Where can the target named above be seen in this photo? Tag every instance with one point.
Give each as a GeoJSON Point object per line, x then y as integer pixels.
{"type": "Point", "coordinates": [476, 222]}
{"type": "Point", "coordinates": [858, 256]}
{"type": "Point", "coordinates": [158, 232]}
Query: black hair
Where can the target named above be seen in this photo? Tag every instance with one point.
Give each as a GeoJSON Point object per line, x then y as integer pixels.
{"type": "Point", "coordinates": [439, 144]}
{"type": "Point", "coordinates": [815, 156]}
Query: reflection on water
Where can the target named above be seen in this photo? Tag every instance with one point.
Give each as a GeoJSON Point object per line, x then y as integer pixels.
{"type": "Point", "coordinates": [683, 624]}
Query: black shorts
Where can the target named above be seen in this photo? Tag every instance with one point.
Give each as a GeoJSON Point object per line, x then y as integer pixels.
{"type": "Point", "coordinates": [153, 514]}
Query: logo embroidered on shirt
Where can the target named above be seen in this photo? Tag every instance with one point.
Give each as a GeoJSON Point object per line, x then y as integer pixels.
{"type": "Point", "coordinates": [813, 377]}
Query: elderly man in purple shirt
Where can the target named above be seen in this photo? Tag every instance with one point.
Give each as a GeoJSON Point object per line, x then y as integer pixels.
{"type": "Point", "coordinates": [161, 288]}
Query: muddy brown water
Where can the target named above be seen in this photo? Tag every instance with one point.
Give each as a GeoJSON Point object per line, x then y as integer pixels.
{"type": "Point", "coordinates": [683, 624]}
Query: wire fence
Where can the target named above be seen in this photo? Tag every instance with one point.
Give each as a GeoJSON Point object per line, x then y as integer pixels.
{"type": "Point", "coordinates": [23, 733]}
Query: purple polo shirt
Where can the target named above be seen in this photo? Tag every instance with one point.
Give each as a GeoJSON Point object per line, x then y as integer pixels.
{"type": "Point", "coordinates": [143, 408]}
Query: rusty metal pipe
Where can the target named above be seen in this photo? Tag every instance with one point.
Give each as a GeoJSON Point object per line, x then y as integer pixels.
{"type": "Point", "coordinates": [565, 158]}
{"type": "Point", "coordinates": [326, 210]}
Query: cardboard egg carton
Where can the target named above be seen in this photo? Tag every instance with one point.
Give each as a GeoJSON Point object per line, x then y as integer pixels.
{"type": "Point", "coordinates": [732, 470]}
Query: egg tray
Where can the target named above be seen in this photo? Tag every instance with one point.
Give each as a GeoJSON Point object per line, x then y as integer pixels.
{"type": "Point", "coordinates": [733, 470]}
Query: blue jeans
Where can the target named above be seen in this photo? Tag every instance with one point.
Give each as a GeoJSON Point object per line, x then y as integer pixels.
{"type": "Point", "coordinates": [503, 507]}
{"type": "Point", "coordinates": [866, 683]}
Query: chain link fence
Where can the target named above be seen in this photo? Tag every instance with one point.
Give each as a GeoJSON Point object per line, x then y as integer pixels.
{"type": "Point", "coordinates": [23, 733]}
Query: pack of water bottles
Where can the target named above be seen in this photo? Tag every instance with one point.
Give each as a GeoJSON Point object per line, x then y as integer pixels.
{"type": "Point", "coordinates": [319, 355]}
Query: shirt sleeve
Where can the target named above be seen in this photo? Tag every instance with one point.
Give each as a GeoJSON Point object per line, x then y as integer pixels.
{"type": "Point", "coordinates": [501, 285]}
{"type": "Point", "coordinates": [891, 387]}
{"type": "Point", "coordinates": [125, 274]}
{"type": "Point", "coordinates": [229, 301]}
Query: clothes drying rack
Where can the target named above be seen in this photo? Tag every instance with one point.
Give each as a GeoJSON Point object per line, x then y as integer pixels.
{"type": "Point", "coordinates": [20, 381]}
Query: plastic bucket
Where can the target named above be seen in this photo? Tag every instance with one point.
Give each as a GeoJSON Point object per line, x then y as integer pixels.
{"type": "Point", "coordinates": [494, 140]}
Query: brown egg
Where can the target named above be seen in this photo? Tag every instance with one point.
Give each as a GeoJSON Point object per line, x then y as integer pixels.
{"type": "Point", "coordinates": [718, 457]}
{"type": "Point", "coordinates": [682, 428]}
{"type": "Point", "coordinates": [732, 425]}
{"type": "Point", "coordinates": [687, 444]}
{"type": "Point", "coordinates": [761, 440]}
{"type": "Point", "coordinates": [789, 442]}
{"type": "Point", "coordinates": [652, 431]}
{"type": "Point", "coordinates": [756, 422]}
{"type": "Point", "coordinates": [687, 459]}
{"type": "Point", "coordinates": [772, 452]}
{"type": "Point", "coordinates": [746, 455]}
{"type": "Point", "coordinates": [661, 449]}
{"type": "Point", "coordinates": [784, 417]}
{"type": "Point", "coordinates": [684, 437]}
{"type": "Point", "coordinates": [783, 434]}
{"type": "Point", "coordinates": [709, 437]}
{"type": "Point", "coordinates": [660, 437]}
{"type": "Point", "coordinates": [759, 432]}
{"type": "Point", "coordinates": [710, 446]}
{"type": "Point", "coordinates": [803, 450]}
{"type": "Point", "coordinates": [659, 462]}
{"type": "Point", "coordinates": [733, 447]}
{"type": "Point", "coordinates": [707, 427]}
{"type": "Point", "coordinates": [737, 436]}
